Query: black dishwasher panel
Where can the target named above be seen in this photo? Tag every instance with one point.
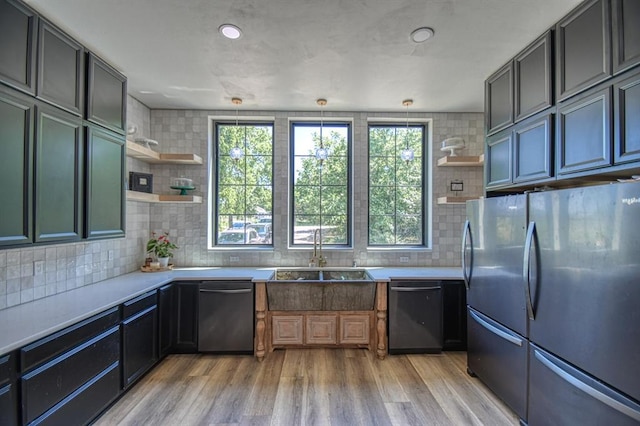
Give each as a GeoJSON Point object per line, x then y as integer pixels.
{"type": "Point", "coordinates": [415, 317]}
{"type": "Point", "coordinates": [225, 317]}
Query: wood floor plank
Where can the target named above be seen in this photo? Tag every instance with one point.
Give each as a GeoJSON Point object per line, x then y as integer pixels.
{"type": "Point", "coordinates": [310, 387]}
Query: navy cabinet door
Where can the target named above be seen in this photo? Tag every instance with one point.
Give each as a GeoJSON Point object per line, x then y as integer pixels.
{"type": "Point", "coordinates": [583, 52]}
{"type": "Point", "coordinates": [104, 184]}
{"type": "Point", "coordinates": [498, 98]}
{"type": "Point", "coordinates": [60, 69]}
{"type": "Point", "coordinates": [498, 158]}
{"type": "Point", "coordinates": [16, 136]}
{"type": "Point", "coordinates": [626, 34]}
{"type": "Point", "coordinates": [106, 95]}
{"type": "Point", "coordinates": [627, 125]}
{"type": "Point", "coordinates": [18, 27]}
{"type": "Point", "coordinates": [532, 149]}
{"type": "Point", "coordinates": [533, 78]}
{"type": "Point", "coordinates": [58, 176]}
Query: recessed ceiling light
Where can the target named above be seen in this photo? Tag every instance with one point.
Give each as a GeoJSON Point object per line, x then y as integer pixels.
{"type": "Point", "coordinates": [230, 31]}
{"type": "Point", "coordinates": [422, 34]}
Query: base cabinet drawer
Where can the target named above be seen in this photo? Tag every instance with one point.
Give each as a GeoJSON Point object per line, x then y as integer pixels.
{"type": "Point", "coordinates": [82, 406]}
{"type": "Point", "coordinates": [54, 381]}
{"type": "Point", "coordinates": [139, 345]}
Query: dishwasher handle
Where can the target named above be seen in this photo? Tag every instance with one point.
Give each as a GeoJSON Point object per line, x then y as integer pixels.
{"type": "Point", "coordinates": [228, 291]}
{"type": "Point", "coordinates": [415, 288]}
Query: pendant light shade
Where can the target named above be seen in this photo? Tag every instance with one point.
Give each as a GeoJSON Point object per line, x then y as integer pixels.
{"type": "Point", "coordinates": [321, 152]}
{"type": "Point", "coordinates": [407, 153]}
{"type": "Point", "coordinates": [236, 152]}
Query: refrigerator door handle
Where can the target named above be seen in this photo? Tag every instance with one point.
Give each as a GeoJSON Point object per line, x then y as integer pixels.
{"type": "Point", "coordinates": [466, 232]}
{"type": "Point", "coordinates": [526, 269]}
{"type": "Point", "coordinates": [589, 390]}
{"type": "Point", "coordinates": [495, 330]}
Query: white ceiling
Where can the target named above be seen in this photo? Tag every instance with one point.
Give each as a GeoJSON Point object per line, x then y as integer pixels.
{"type": "Point", "coordinates": [355, 53]}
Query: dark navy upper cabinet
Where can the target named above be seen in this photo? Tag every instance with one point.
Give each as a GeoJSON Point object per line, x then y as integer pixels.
{"type": "Point", "coordinates": [499, 160]}
{"type": "Point", "coordinates": [583, 140]}
{"type": "Point", "coordinates": [626, 34]}
{"type": "Point", "coordinates": [627, 125]}
{"type": "Point", "coordinates": [17, 113]}
{"type": "Point", "coordinates": [104, 181]}
{"type": "Point", "coordinates": [533, 78]}
{"type": "Point", "coordinates": [533, 149]}
{"type": "Point", "coordinates": [583, 48]}
{"type": "Point", "coordinates": [498, 95]}
{"type": "Point", "coordinates": [58, 176]}
{"type": "Point", "coordinates": [18, 28]}
{"type": "Point", "coordinates": [106, 95]}
{"type": "Point", "coordinates": [60, 69]}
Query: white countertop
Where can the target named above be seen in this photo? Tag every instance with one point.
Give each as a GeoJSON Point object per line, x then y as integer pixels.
{"type": "Point", "coordinates": [26, 323]}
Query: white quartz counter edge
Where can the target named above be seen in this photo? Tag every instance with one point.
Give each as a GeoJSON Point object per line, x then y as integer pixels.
{"type": "Point", "coordinates": [24, 324]}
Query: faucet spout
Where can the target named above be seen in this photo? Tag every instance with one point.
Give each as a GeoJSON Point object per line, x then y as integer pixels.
{"type": "Point", "coordinates": [317, 258]}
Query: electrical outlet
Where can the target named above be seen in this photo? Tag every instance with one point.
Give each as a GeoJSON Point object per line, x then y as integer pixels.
{"type": "Point", "coordinates": [404, 259]}
{"type": "Point", "coordinates": [110, 255]}
{"type": "Point", "coordinates": [234, 259]}
{"type": "Point", "coordinates": [38, 267]}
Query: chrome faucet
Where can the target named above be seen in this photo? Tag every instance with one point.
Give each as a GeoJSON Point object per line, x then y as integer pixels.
{"type": "Point", "coordinates": [317, 258]}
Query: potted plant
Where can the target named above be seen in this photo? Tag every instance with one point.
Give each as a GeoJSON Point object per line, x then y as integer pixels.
{"type": "Point", "coordinates": [162, 248]}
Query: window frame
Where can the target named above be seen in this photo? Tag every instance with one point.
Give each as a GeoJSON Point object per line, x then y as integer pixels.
{"type": "Point", "coordinates": [326, 123]}
{"type": "Point", "coordinates": [425, 187]}
{"type": "Point", "coordinates": [214, 184]}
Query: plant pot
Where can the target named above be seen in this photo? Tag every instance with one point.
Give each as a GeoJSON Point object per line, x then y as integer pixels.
{"type": "Point", "coordinates": [164, 262]}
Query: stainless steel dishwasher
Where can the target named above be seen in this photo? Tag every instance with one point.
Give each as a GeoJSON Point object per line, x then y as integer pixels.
{"type": "Point", "coordinates": [225, 317]}
{"type": "Point", "coordinates": [415, 317]}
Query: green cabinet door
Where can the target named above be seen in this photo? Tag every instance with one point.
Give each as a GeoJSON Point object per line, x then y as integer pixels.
{"type": "Point", "coordinates": [18, 29]}
{"type": "Point", "coordinates": [16, 133]}
{"type": "Point", "coordinates": [105, 184]}
{"type": "Point", "coordinates": [58, 176]}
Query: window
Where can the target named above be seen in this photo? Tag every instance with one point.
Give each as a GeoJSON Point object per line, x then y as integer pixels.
{"type": "Point", "coordinates": [396, 187]}
{"type": "Point", "coordinates": [244, 186]}
{"type": "Point", "coordinates": [320, 189]}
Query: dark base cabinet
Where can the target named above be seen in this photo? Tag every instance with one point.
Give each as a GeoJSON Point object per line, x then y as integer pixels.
{"type": "Point", "coordinates": [47, 389]}
{"type": "Point", "coordinates": [454, 316]}
{"type": "Point", "coordinates": [139, 337]}
{"type": "Point", "coordinates": [166, 323]}
{"type": "Point", "coordinates": [186, 317]}
{"type": "Point", "coordinates": [8, 390]}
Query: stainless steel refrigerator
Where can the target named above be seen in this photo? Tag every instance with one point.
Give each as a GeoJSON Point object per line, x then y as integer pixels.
{"type": "Point", "coordinates": [554, 302]}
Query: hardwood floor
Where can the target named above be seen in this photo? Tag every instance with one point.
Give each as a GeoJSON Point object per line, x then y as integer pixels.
{"type": "Point", "coordinates": [310, 387]}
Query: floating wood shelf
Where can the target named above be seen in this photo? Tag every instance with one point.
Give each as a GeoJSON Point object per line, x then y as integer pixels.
{"type": "Point", "coordinates": [460, 161]}
{"type": "Point", "coordinates": [454, 200]}
{"type": "Point", "coordinates": [147, 155]}
{"type": "Point", "coordinates": [161, 198]}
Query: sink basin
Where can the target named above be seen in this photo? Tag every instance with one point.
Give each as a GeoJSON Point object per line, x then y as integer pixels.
{"type": "Point", "coordinates": [321, 290]}
{"type": "Point", "coordinates": [321, 275]}
{"type": "Point", "coordinates": [296, 275]}
{"type": "Point", "coordinates": [346, 275]}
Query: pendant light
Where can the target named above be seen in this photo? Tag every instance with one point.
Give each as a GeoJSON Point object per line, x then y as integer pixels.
{"type": "Point", "coordinates": [236, 152]}
{"type": "Point", "coordinates": [322, 153]}
{"type": "Point", "coordinates": [407, 153]}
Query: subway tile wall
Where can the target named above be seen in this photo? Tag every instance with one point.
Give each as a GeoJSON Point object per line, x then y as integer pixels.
{"type": "Point", "coordinates": [180, 131]}
{"type": "Point", "coordinates": [35, 272]}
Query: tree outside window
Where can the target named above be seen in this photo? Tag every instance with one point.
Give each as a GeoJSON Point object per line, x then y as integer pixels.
{"type": "Point", "coordinates": [320, 189]}
{"type": "Point", "coordinates": [244, 189]}
{"type": "Point", "coordinates": [396, 187]}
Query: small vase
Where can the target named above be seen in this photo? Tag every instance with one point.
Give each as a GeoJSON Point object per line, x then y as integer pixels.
{"type": "Point", "coordinates": [164, 262]}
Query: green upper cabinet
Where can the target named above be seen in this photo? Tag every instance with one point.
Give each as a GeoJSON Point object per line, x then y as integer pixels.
{"type": "Point", "coordinates": [16, 136]}
{"type": "Point", "coordinates": [60, 69]}
{"type": "Point", "coordinates": [583, 48]}
{"type": "Point", "coordinates": [57, 176]}
{"type": "Point", "coordinates": [626, 34]}
{"type": "Point", "coordinates": [106, 95]}
{"type": "Point", "coordinates": [104, 184]}
{"type": "Point", "coordinates": [18, 27]}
